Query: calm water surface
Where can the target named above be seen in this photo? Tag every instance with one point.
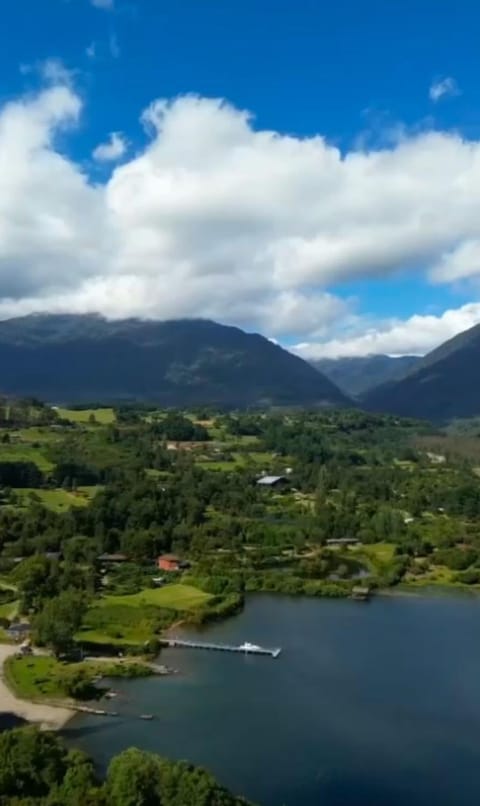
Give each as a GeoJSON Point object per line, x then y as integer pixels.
{"type": "Point", "coordinates": [369, 704]}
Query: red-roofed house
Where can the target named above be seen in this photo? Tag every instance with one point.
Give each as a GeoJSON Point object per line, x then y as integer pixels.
{"type": "Point", "coordinates": [168, 562]}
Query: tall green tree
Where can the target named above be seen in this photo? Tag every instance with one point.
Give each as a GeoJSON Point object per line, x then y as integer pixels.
{"type": "Point", "coordinates": [59, 620]}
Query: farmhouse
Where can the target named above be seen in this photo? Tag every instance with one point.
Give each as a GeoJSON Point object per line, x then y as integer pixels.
{"type": "Point", "coordinates": [169, 562]}
{"type": "Point", "coordinates": [342, 541]}
{"type": "Point", "coordinates": [272, 481]}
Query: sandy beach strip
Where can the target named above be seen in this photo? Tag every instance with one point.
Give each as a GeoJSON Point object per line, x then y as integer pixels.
{"type": "Point", "coordinates": [49, 717]}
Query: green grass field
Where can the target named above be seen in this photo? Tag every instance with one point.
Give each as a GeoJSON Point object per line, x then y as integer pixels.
{"type": "Point", "coordinates": [9, 610]}
{"type": "Point", "coordinates": [40, 677]}
{"type": "Point", "coordinates": [19, 452]}
{"type": "Point", "coordinates": [102, 416]}
{"type": "Point", "coordinates": [58, 500]}
{"type": "Point", "coordinates": [260, 460]}
{"type": "Point", "coordinates": [137, 618]}
{"type": "Point", "coordinates": [379, 552]}
{"type": "Point", "coordinates": [223, 467]}
{"type": "Point", "coordinates": [171, 597]}
{"type": "Point", "coordinates": [38, 434]}
{"type": "Point", "coordinates": [34, 678]}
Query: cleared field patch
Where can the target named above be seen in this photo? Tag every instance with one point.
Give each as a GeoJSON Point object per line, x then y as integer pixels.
{"type": "Point", "coordinates": [137, 618]}
{"type": "Point", "coordinates": [171, 597]}
{"type": "Point", "coordinates": [57, 500]}
{"type": "Point", "coordinates": [107, 623]}
{"type": "Point", "coordinates": [32, 678]}
{"type": "Point", "coordinates": [435, 575]}
{"type": "Point", "coordinates": [19, 452]}
{"type": "Point", "coordinates": [9, 610]}
{"type": "Point", "coordinates": [85, 416]}
{"type": "Point", "coordinates": [38, 435]}
{"type": "Point", "coordinates": [222, 466]}
{"type": "Point", "coordinates": [382, 552]}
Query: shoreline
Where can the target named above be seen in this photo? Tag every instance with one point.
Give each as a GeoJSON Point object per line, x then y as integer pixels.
{"type": "Point", "coordinates": [47, 716]}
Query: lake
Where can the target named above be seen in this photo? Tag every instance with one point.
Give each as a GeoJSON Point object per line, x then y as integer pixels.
{"type": "Point", "coordinates": [369, 703]}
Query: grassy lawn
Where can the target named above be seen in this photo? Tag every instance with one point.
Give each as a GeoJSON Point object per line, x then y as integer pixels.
{"type": "Point", "coordinates": [39, 434]}
{"type": "Point", "coordinates": [8, 610]}
{"type": "Point", "coordinates": [223, 467]}
{"type": "Point", "coordinates": [137, 618]}
{"type": "Point", "coordinates": [19, 452]}
{"type": "Point", "coordinates": [32, 678]}
{"type": "Point", "coordinates": [58, 500]}
{"type": "Point", "coordinates": [40, 677]}
{"type": "Point", "coordinates": [102, 416]}
{"type": "Point", "coordinates": [171, 597]}
{"type": "Point", "coordinates": [436, 575]}
{"type": "Point", "coordinates": [380, 552]}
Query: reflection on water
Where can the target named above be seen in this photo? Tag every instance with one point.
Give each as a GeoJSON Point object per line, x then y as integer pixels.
{"type": "Point", "coordinates": [368, 704]}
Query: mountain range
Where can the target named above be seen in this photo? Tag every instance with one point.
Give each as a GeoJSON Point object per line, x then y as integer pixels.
{"type": "Point", "coordinates": [85, 358]}
{"type": "Point", "coordinates": [443, 385]}
{"type": "Point", "coordinates": [356, 375]}
{"type": "Point", "coordinates": [72, 358]}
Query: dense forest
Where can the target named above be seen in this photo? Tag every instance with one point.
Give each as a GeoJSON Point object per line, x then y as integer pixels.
{"type": "Point", "coordinates": [77, 485]}
{"type": "Point", "coordinates": [38, 768]}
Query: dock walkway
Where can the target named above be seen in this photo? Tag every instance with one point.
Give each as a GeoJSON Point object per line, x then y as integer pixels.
{"type": "Point", "coordinates": [246, 648]}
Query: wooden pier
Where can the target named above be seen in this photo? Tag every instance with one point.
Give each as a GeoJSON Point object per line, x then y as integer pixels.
{"type": "Point", "coordinates": [246, 648]}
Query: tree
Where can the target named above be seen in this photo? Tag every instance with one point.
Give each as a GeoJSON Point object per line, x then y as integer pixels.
{"type": "Point", "coordinates": [37, 768]}
{"type": "Point", "coordinates": [59, 620]}
{"type": "Point", "coordinates": [133, 779]}
{"type": "Point", "coordinates": [31, 762]}
{"type": "Point", "coordinates": [79, 783]}
{"type": "Point", "coordinates": [37, 579]}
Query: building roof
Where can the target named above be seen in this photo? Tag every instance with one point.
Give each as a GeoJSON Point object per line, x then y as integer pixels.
{"type": "Point", "coordinates": [20, 626]}
{"type": "Point", "coordinates": [268, 481]}
{"type": "Point", "coordinates": [170, 558]}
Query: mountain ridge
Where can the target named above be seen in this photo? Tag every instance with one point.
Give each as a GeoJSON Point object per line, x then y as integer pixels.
{"type": "Point", "coordinates": [445, 384]}
{"type": "Point", "coordinates": [79, 358]}
{"type": "Point", "coordinates": [355, 375]}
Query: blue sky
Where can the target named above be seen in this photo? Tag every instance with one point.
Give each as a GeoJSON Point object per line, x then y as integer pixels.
{"type": "Point", "coordinates": [367, 240]}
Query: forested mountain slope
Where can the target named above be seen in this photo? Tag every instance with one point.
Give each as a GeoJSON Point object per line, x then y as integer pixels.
{"type": "Point", "coordinates": [443, 385]}
{"type": "Point", "coordinates": [175, 363]}
{"type": "Point", "coordinates": [355, 375]}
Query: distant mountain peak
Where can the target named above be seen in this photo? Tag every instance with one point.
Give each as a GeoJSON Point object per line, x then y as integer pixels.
{"type": "Point", "coordinates": [355, 375]}
{"type": "Point", "coordinates": [442, 385]}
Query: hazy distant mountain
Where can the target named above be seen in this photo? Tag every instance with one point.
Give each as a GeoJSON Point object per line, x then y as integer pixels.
{"type": "Point", "coordinates": [356, 375]}
{"type": "Point", "coordinates": [75, 358]}
{"type": "Point", "coordinates": [443, 385]}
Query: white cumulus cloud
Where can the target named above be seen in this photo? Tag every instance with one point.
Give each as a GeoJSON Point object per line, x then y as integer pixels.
{"type": "Point", "coordinates": [414, 336]}
{"type": "Point", "coordinates": [443, 88]}
{"type": "Point", "coordinates": [112, 150]}
{"type": "Point", "coordinates": [215, 218]}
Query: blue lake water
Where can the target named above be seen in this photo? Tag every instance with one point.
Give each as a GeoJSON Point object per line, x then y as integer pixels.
{"type": "Point", "coordinates": [368, 704]}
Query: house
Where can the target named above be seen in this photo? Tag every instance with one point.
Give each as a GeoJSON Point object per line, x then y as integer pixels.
{"type": "Point", "coordinates": [19, 631]}
{"type": "Point", "coordinates": [169, 562]}
{"type": "Point", "coordinates": [342, 541]}
{"type": "Point", "coordinates": [436, 458]}
{"type": "Point", "coordinates": [272, 481]}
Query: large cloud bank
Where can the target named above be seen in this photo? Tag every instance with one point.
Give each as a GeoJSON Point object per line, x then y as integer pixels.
{"type": "Point", "coordinates": [213, 218]}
